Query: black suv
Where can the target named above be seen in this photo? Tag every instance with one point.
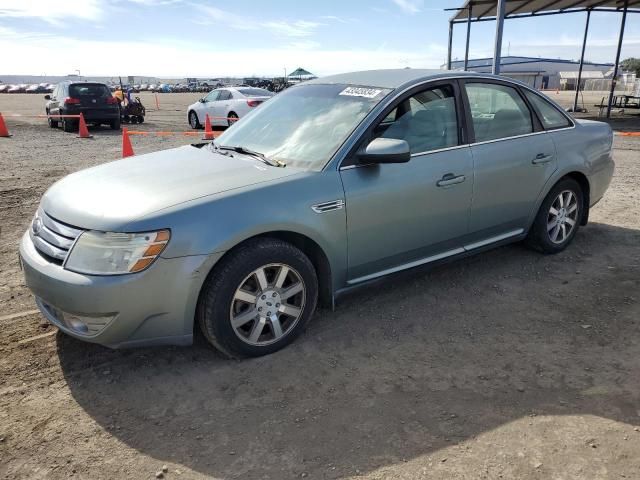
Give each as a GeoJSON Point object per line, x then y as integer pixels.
{"type": "Point", "coordinates": [93, 100]}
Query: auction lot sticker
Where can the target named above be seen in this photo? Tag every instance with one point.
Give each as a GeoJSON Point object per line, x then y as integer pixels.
{"type": "Point", "coordinates": [361, 92]}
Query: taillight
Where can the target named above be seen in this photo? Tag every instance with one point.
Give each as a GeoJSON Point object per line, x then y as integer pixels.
{"type": "Point", "coordinates": [112, 100]}
{"type": "Point", "coordinates": [253, 103]}
{"type": "Point", "coordinates": [71, 101]}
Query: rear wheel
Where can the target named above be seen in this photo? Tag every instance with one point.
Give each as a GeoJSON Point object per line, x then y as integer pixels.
{"type": "Point", "coordinates": [115, 124]}
{"type": "Point", "coordinates": [68, 125]}
{"type": "Point", "coordinates": [194, 123]}
{"type": "Point", "coordinates": [558, 219]}
{"type": "Point", "coordinates": [232, 118]}
{"type": "Point", "coordinates": [259, 299]}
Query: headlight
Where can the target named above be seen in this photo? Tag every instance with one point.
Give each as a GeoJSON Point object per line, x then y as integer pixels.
{"type": "Point", "coordinates": [109, 253]}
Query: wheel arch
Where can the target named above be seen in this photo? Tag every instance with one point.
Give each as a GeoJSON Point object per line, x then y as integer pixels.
{"type": "Point", "coordinates": [308, 246]}
{"type": "Point", "coordinates": [583, 181]}
{"type": "Point", "coordinates": [574, 174]}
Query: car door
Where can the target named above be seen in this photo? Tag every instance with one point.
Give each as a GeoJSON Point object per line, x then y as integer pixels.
{"type": "Point", "coordinates": [221, 108]}
{"type": "Point", "coordinates": [406, 214]}
{"type": "Point", "coordinates": [208, 106]}
{"type": "Point", "coordinates": [54, 106]}
{"type": "Point", "coordinates": [513, 158]}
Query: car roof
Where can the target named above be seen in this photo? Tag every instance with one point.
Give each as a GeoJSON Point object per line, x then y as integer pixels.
{"type": "Point", "coordinates": [392, 78]}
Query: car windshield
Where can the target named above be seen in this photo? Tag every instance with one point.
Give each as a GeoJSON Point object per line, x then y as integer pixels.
{"type": "Point", "coordinates": [89, 90]}
{"type": "Point", "coordinates": [305, 125]}
{"type": "Point", "coordinates": [255, 92]}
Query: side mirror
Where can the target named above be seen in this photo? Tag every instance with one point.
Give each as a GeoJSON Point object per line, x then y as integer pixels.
{"type": "Point", "coordinates": [47, 97]}
{"type": "Point", "coordinates": [385, 150]}
{"type": "Point", "coordinates": [203, 100]}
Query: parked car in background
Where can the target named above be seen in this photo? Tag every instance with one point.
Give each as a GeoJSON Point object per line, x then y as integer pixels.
{"type": "Point", "coordinates": [16, 89]}
{"type": "Point", "coordinates": [94, 100]}
{"type": "Point", "coordinates": [41, 88]}
{"type": "Point", "coordinates": [333, 183]}
{"type": "Point", "coordinates": [226, 105]}
{"type": "Point", "coordinates": [4, 87]}
{"type": "Point", "coordinates": [144, 87]}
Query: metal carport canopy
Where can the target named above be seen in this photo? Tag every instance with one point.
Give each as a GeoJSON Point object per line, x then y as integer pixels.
{"type": "Point", "coordinates": [486, 9]}
{"type": "Point", "coordinates": [500, 10]}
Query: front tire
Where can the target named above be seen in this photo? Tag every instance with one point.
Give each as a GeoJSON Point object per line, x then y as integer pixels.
{"type": "Point", "coordinates": [52, 123]}
{"type": "Point", "coordinates": [558, 219]}
{"type": "Point", "coordinates": [258, 299]}
{"type": "Point", "coordinates": [194, 123]}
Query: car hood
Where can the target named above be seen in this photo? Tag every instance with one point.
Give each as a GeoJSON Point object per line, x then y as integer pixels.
{"type": "Point", "coordinates": [113, 194]}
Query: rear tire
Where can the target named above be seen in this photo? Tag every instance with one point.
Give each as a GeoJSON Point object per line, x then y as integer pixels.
{"type": "Point", "coordinates": [260, 275]}
{"type": "Point", "coordinates": [115, 124]}
{"type": "Point", "coordinates": [558, 218]}
{"type": "Point", "coordinates": [232, 118]}
{"type": "Point", "coordinates": [68, 125]}
{"type": "Point", "coordinates": [194, 122]}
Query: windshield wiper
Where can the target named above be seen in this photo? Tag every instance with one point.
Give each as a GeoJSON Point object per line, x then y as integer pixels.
{"type": "Point", "coordinates": [260, 156]}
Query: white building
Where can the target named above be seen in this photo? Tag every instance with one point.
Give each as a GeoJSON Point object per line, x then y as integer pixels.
{"type": "Point", "coordinates": [541, 73]}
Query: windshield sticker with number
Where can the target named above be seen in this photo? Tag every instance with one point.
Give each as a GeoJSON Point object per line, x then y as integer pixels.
{"type": "Point", "coordinates": [361, 92]}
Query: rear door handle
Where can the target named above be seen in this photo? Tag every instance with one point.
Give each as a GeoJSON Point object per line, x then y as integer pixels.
{"type": "Point", "coordinates": [450, 179]}
{"type": "Point", "coordinates": [541, 158]}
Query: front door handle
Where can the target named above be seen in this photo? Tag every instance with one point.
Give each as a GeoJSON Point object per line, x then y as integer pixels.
{"type": "Point", "coordinates": [541, 158]}
{"type": "Point", "coordinates": [450, 179]}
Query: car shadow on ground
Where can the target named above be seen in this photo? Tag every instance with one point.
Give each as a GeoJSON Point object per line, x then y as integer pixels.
{"type": "Point", "coordinates": [398, 371]}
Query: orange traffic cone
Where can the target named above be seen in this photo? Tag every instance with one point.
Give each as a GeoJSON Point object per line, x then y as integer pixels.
{"type": "Point", "coordinates": [127, 149]}
{"type": "Point", "coordinates": [208, 132]}
{"type": "Point", "coordinates": [4, 132]}
{"type": "Point", "coordinates": [83, 132]}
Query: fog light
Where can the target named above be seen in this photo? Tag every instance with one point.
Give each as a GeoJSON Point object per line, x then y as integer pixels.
{"type": "Point", "coordinates": [80, 324]}
{"type": "Point", "coordinates": [85, 325]}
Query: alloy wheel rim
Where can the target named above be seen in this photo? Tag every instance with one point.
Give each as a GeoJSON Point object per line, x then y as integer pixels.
{"type": "Point", "coordinates": [267, 304]}
{"type": "Point", "coordinates": [192, 120]}
{"type": "Point", "coordinates": [562, 217]}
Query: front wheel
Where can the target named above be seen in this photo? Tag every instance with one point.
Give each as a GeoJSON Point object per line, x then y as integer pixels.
{"type": "Point", "coordinates": [558, 219]}
{"type": "Point", "coordinates": [52, 123]}
{"type": "Point", "coordinates": [258, 299]}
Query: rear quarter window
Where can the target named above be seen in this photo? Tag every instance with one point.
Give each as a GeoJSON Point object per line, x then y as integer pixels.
{"type": "Point", "coordinates": [549, 115]}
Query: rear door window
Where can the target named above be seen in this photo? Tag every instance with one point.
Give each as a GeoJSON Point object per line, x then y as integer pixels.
{"type": "Point", "coordinates": [224, 95]}
{"type": "Point", "coordinates": [497, 111]}
{"type": "Point", "coordinates": [549, 115]}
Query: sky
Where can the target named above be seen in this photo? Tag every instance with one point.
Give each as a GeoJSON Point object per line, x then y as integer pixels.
{"type": "Point", "coordinates": [215, 38]}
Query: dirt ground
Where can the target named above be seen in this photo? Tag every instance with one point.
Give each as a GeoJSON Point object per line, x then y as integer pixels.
{"type": "Point", "coordinates": [508, 365]}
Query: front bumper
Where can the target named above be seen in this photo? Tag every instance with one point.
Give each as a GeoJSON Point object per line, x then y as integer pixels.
{"type": "Point", "coordinates": [153, 307]}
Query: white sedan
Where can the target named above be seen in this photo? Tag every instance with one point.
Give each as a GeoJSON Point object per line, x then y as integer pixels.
{"type": "Point", "coordinates": [226, 105]}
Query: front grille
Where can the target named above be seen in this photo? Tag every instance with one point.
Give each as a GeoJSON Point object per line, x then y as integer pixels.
{"type": "Point", "coordinates": [52, 238]}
